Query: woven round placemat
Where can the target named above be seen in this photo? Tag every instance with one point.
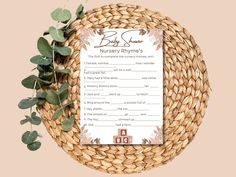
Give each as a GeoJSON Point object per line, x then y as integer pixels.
{"type": "Point", "coordinates": [186, 92]}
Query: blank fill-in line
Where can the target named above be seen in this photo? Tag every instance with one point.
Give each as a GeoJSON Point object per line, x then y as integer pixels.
{"type": "Point", "coordinates": [117, 103]}
{"type": "Point", "coordinates": [109, 109]}
{"type": "Point", "coordinates": [100, 67]}
{"type": "Point", "coordinates": [128, 79]}
{"type": "Point", "coordinates": [143, 71]}
{"type": "Point", "coordinates": [153, 115]}
{"type": "Point", "coordinates": [99, 71]}
{"type": "Point", "coordinates": [93, 89]}
{"type": "Point", "coordinates": [138, 110]}
{"type": "Point", "coordinates": [122, 64]}
{"type": "Point", "coordinates": [153, 103]}
{"type": "Point", "coordinates": [145, 120]}
{"type": "Point", "coordinates": [94, 98]}
{"type": "Point", "coordinates": [106, 120]}
{"type": "Point", "coordinates": [128, 95]}
{"type": "Point", "coordinates": [143, 126]}
{"type": "Point", "coordinates": [115, 115]}
{"type": "Point", "coordinates": [130, 87]}
{"type": "Point", "coordinates": [94, 81]}
{"type": "Point", "coordinates": [104, 125]}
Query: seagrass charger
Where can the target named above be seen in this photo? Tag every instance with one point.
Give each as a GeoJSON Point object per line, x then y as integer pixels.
{"type": "Point", "coordinates": [186, 92]}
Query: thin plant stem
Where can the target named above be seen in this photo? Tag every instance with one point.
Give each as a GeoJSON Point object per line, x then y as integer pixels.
{"type": "Point", "coordinates": [54, 72]}
{"type": "Point", "coordinates": [55, 76]}
{"type": "Point", "coordinates": [34, 90]}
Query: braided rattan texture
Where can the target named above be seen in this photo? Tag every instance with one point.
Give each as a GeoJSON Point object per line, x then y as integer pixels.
{"type": "Point", "coordinates": [186, 92]}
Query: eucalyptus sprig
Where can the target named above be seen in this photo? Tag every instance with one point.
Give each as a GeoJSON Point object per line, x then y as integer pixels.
{"type": "Point", "coordinates": [48, 73]}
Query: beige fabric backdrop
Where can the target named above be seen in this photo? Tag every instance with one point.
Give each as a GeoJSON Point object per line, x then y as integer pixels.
{"type": "Point", "coordinates": [212, 152]}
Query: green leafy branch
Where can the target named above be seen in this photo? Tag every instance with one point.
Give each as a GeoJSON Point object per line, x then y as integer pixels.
{"type": "Point", "coordinates": [48, 74]}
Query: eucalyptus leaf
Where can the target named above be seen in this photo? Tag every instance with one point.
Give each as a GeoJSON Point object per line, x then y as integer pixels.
{"type": "Point", "coordinates": [68, 124]}
{"type": "Point", "coordinates": [29, 82]}
{"type": "Point", "coordinates": [41, 95]}
{"type": "Point", "coordinates": [40, 68]}
{"type": "Point", "coordinates": [63, 96]}
{"type": "Point", "coordinates": [80, 15]}
{"type": "Point", "coordinates": [63, 71]}
{"type": "Point", "coordinates": [40, 60]}
{"type": "Point", "coordinates": [34, 146]}
{"type": "Point", "coordinates": [41, 98]}
{"type": "Point", "coordinates": [57, 113]}
{"type": "Point", "coordinates": [44, 48]}
{"type": "Point", "coordinates": [61, 15]}
{"type": "Point", "coordinates": [29, 137]}
{"type": "Point", "coordinates": [68, 31]}
{"type": "Point", "coordinates": [27, 103]}
{"type": "Point", "coordinates": [79, 12]}
{"type": "Point", "coordinates": [63, 87]}
{"type": "Point", "coordinates": [24, 121]}
{"type": "Point", "coordinates": [41, 102]}
{"type": "Point", "coordinates": [43, 68]}
{"type": "Point", "coordinates": [44, 82]}
{"type": "Point", "coordinates": [64, 51]}
{"type": "Point", "coordinates": [33, 82]}
{"type": "Point", "coordinates": [63, 92]}
{"type": "Point", "coordinates": [52, 97]}
{"type": "Point", "coordinates": [80, 9]}
{"type": "Point", "coordinates": [56, 34]}
{"type": "Point", "coordinates": [60, 110]}
{"type": "Point", "coordinates": [45, 33]}
{"type": "Point", "coordinates": [35, 120]}
{"type": "Point", "coordinates": [28, 117]}
{"type": "Point", "coordinates": [65, 22]}
{"type": "Point", "coordinates": [46, 76]}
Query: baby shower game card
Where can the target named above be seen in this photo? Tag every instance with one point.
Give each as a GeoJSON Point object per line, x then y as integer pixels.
{"type": "Point", "coordinates": [121, 86]}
